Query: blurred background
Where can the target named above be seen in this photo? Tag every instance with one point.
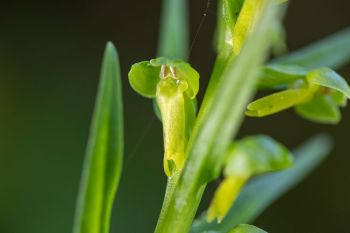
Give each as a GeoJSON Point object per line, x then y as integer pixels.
{"type": "Point", "coordinates": [50, 55]}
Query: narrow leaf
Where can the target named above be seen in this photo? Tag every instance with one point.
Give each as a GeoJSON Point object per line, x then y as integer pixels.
{"type": "Point", "coordinates": [173, 41]}
{"type": "Point", "coordinates": [332, 52]}
{"type": "Point", "coordinates": [103, 161]}
{"type": "Point", "coordinates": [264, 190]}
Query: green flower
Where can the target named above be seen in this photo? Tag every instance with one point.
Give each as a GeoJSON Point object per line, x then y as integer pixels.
{"type": "Point", "coordinates": [174, 84]}
{"type": "Point", "coordinates": [246, 158]}
{"type": "Point", "coordinates": [316, 95]}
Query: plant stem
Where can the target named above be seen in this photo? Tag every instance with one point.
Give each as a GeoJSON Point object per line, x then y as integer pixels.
{"type": "Point", "coordinates": [212, 135]}
{"type": "Point", "coordinates": [171, 184]}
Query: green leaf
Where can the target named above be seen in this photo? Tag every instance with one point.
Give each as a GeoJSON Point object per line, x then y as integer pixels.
{"type": "Point", "coordinates": [332, 52]}
{"type": "Point", "coordinates": [103, 161]}
{"type": "Point", "coordinates": [173, 41]}
{"type": "Point", "coordinates": [277, 76]}
{"type": "Point", "coordinates": [329, 78]}
{"type": "Point", "coordinates": [257, 154]}
{"type": "Point", "coordinates": [263, 191]}
{"type": "Point", "coordinates": [245, 228]}
{"type": "Point", "coordinates": [321, 109]}
{"type": "Point", "coordinates": [277, 102]}
{"type": "Point", "coordinates": [144, 78]}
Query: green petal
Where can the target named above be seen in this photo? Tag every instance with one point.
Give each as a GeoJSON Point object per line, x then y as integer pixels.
{"type": "Point", "coordinates": [256, 155]}
{"type": "Point", "coordinates": [224, 197]}
{"type": "Point", "coordinates": [143, 78]}
{"type": "Point", "coordinates": [329, 78]}
{"type": "Point", "coordinates": [276, 76]}
{"type": "Point", "coordinates": [171, 102]}
{"type": "Point", "coordinates": [277, 102]}
{"type": "Point", "coordinates": [321, 109]}
{"type": "Point", "coordinates": [185, 72]}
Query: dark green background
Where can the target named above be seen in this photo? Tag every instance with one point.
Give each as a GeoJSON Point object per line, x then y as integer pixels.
{"type": "Point", "coordinates": [50, 53]}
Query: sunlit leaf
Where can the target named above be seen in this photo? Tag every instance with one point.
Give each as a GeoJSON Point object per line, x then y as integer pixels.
{"type": "Point", "coordinates": [321, 109]}
{"type": "Point", "coordinates": [103, 161]}
{"type": "Point", "coordinates": [329, 78]}
{"type": "Point", "coordinates": [277, 102]}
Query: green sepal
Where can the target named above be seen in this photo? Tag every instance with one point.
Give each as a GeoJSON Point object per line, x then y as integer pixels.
{"type": "Point", "coordinates": [276, 76]}
{"type": "Point", "coordinates": [143, 78]}
{"type": "Point", "coordinates": [156, 109]}
{"type": "Point", "coordinates": [321, 109]}
{"type": "Point", "coordinates": [174, 84]}
{"type": "Point", "coordinates": [185, 72]}
{"type": "Point", "coordinates": [339, 98]}
{"type": "Point", "coordinates": [257, 154]}
{"type": "Point", "coordinates": [278, 101]}
{"type": "Point", "coordinates": [328, 78]}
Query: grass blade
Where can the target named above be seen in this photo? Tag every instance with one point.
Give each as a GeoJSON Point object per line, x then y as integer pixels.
{"type": "Point", "coordinates": [173, 41]}
{"type": "Point", "coordinates": [103, 161]}
{"type": "Point", "coordinates": [263, 191]}
{"type": "Point", "coordinates": [332, 52]}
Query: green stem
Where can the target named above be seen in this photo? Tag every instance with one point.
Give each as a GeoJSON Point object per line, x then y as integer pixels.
{"type": "Point", "coordinates": [171, 184]}
{"type": "Point", "coordinates": [213, 134]}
